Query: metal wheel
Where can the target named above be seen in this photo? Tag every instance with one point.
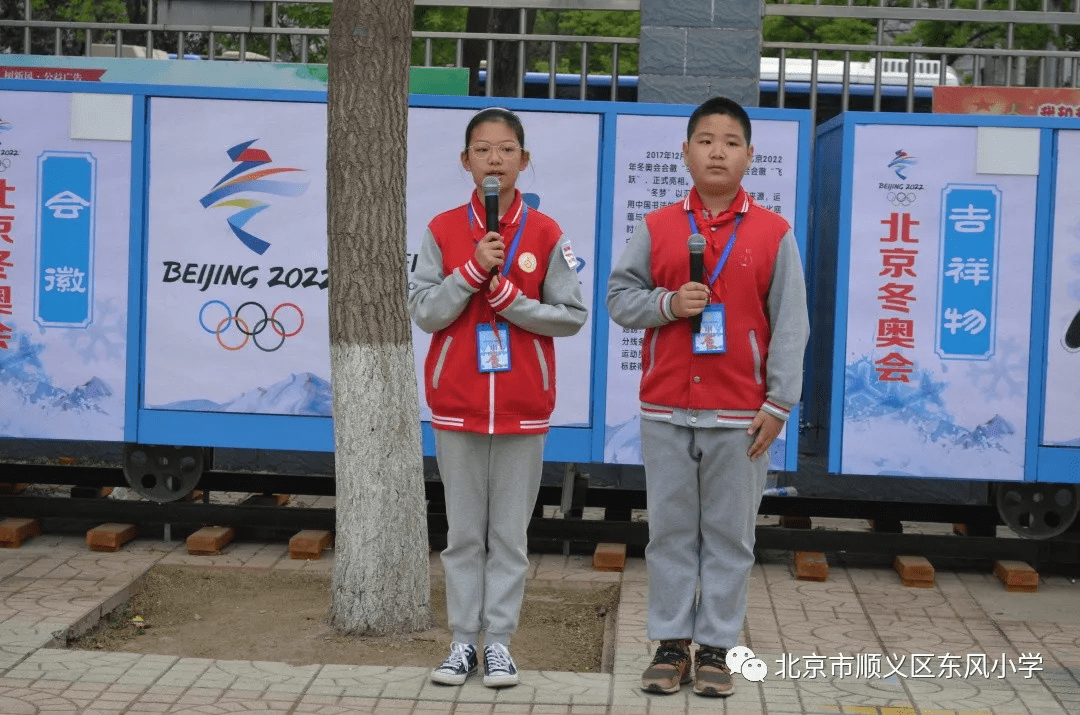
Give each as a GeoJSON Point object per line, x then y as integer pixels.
{"type": "Point", "coordinates": [163, 473]}
{"type": "Point", "coordinates": [1038, 511]}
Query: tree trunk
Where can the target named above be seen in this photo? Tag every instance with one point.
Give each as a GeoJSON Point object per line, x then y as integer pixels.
{"type": "Point", "coordinates": [505, 68]}
{"type": "Point", "coordinates": [380, 582]}
{"type": "Point", "coordinates": [136, 10]}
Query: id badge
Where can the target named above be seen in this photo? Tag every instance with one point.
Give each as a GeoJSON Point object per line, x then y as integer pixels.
{"type": "Point", "coordinates": [493, 348]}
{"type": "Point", "coordinates": [711, 339]}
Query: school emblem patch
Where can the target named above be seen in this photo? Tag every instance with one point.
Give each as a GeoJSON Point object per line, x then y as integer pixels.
{"type": "Point", "coordinates": [568, 254]}
{"type": "Point", "coordinates": [527, 262]}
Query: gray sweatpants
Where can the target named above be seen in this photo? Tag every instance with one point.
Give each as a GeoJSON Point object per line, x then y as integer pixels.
{"type": "Point", "coordinates": [703, 495]}
{"type": "Point", "coordinates": [491, 483]}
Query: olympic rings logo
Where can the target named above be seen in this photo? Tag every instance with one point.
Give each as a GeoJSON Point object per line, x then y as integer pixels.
{"type": "Point", "coordinates": [250, 329]}
{"type": "Point", "coordinates": [902, 198]}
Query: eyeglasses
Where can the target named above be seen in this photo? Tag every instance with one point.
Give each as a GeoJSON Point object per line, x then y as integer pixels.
{"type": "Point", "coordinates": [506, 150]}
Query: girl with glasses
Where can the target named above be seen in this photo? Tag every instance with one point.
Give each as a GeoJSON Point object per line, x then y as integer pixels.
{"type": "Point", "coordinates": [494, 297]}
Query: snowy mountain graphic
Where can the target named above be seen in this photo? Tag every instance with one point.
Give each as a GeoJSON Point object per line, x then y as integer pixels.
{"type": "Point", "coordinates": [25, 380]}
{"type": "Point", "coordinates": [919, 404]}
{"type": "Point", "coordinates": [35, 404]}
{"type": "Point", "coordinates": [301, 394]}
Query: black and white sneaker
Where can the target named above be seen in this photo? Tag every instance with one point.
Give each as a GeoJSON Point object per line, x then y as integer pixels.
{"type": "Point", "coordinates": [459, 665]}
{"type": "Point", "coordinates": [499, 668]}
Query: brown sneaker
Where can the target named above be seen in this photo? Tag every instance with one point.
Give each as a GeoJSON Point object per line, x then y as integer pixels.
{"type": "Point", "coordinates": [712, 677]}
{"type": "Point", "coordinates": [670, 668]}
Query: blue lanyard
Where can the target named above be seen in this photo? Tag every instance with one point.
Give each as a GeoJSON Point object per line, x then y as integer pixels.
{"type": "Point", "coordinates": [727, 248]}
{"type": "Point", "coordinates": [517, 236]}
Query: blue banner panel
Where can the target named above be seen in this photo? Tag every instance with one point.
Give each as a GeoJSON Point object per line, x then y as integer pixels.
{"type": "Point", "coordinates": [970, 227]}
{"type": "Point", "coordinates": [65, 251]}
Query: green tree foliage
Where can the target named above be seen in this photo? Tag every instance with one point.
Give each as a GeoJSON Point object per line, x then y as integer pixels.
{"type": "Point", "coordinates": [603, 23]}
{"type": "Point", "coordinates": [845, 31]}
{"type": "Point", "coordinates": [600, 23]}
{"type": "Point", "coordinates": [993, 34]}
{"type": "Point", "coordinates": [927, 33]}
{"type": "Point", "coordinates": [438, 19]}
{"type": "Point", "coordinates": [80, 10]}
{"type": "Point", "coordinates": [289, 48]}
{"type": "Point", "coordinates": [44, 41]}
{"type": "Point", "coordinates": [280, 47]}
{"type": "Point", "coordinates": [597, 23]}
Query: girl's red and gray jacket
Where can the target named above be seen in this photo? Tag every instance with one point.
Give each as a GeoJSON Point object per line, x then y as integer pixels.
{"type": "Point", "coordinates": [539, 298]}
{"type": "Point", "coordinates": [764, 297]}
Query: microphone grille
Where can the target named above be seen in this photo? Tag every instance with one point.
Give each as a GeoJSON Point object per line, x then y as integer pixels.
{"type": "Point", "coordinates": [491, 185]}
{"type": "Point", "coordinates": [696, 243]}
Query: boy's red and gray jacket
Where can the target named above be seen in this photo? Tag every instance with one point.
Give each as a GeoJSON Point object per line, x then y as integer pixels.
{"type": "Point", "coordinates": [539, 298]}
{"type": "Point", "coordinates": [764, 297]}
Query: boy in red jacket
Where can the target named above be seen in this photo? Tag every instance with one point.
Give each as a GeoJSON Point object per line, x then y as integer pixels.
{"type": "Point", "coordinates": [712, 401]}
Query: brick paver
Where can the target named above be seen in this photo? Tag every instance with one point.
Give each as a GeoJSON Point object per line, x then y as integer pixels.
{"type": "Point", "coordinates": [858, 642]}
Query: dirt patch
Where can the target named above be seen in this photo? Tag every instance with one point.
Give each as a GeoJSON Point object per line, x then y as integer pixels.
{"type": "Point", "coordinates": [280, 616]}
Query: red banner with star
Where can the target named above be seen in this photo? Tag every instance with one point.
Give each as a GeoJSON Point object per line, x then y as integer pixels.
{"type": "Point", "coordinates": [1026, 101]}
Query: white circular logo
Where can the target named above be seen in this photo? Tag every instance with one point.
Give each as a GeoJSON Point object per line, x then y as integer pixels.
{"type": "Point", "coordinates": [527, 262]}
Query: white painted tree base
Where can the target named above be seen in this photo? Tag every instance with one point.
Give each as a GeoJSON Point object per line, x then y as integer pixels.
{"type": "Point", "coordinates": [381, 580]}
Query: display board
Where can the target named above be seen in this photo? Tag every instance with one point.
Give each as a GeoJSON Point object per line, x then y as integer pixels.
{"type": "Point", "coordinates": [65, 191]}
{"type": "Point", "coordinates": [1060, 426]}
{"type": "Point", "coordinates": [236, 312]}
{"type": "Point", "coordinates": [939, 295]}
{"type": "Point", "coordinates": [649, 174]}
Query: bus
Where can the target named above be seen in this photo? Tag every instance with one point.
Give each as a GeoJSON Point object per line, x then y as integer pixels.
{"type": "Point", "coordinates": [797, 83]}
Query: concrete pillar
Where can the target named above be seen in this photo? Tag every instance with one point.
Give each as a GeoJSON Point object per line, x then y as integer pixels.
{"type": "Point", "coordinates": [695, 49]}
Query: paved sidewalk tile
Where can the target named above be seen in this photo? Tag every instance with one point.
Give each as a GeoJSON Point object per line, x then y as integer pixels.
{"type": "Point", "coordinates": [816, 638]}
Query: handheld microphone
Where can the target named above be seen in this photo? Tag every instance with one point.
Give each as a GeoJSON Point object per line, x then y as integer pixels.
{"type": "Point", "coordinates": [491, 188]}
{"type": "Point", "coordinates": [696, 244]}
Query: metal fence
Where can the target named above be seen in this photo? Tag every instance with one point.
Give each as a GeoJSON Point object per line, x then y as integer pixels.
{"type": "Point", "coordinates": [997, 66]}
{"type": "Point", "coordinates": [176, 28]}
